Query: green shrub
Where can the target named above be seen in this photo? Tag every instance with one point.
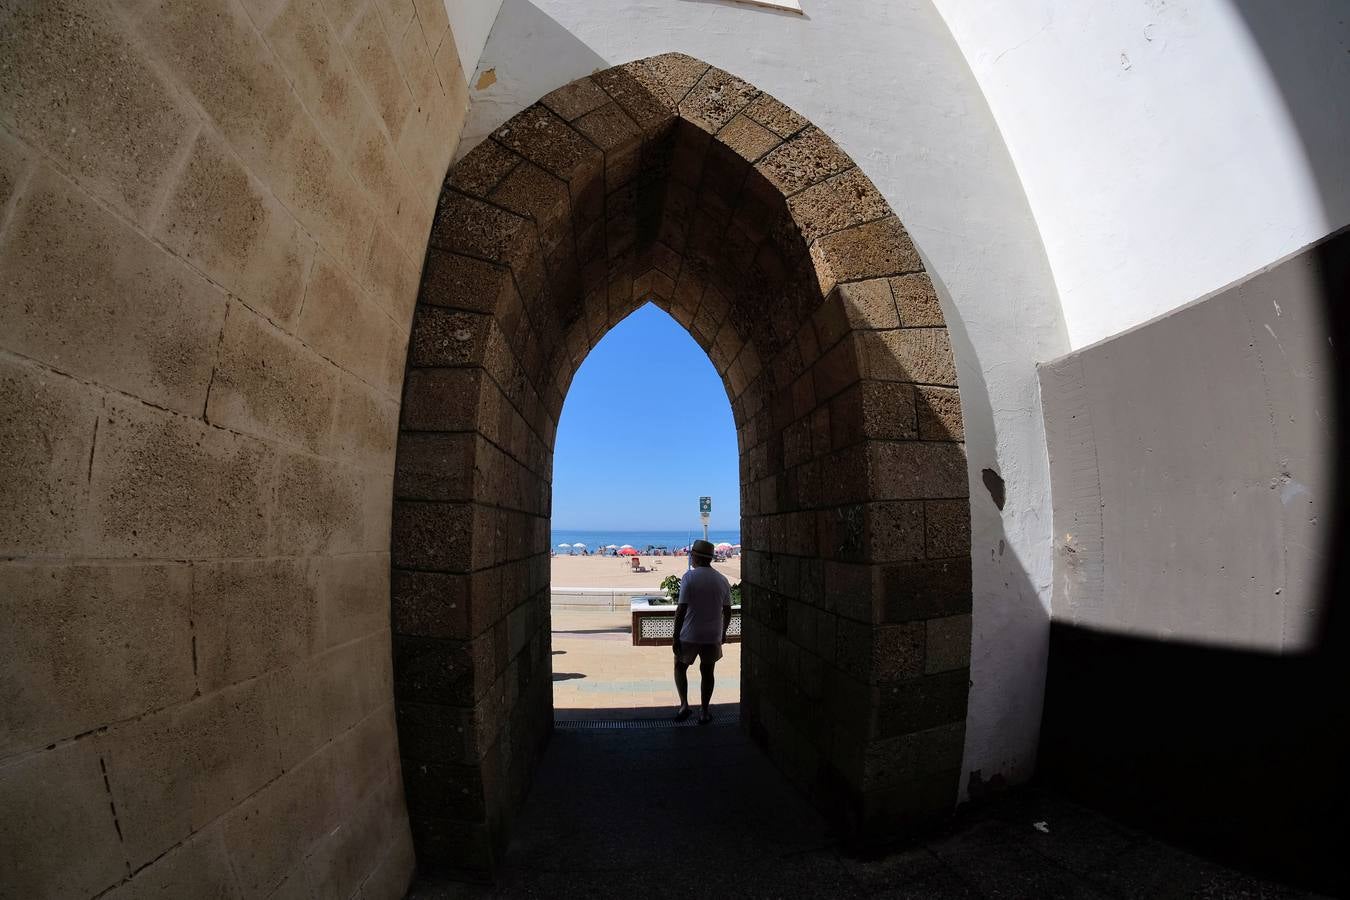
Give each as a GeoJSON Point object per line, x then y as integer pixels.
{"type": "Point", "coordinates": [671, 585]}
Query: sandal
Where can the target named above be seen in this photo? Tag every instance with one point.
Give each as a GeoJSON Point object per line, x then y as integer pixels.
{"type": "Point", "coordinates": [683, 714]}
{"type": "Point", "coordinates": [705, 719]}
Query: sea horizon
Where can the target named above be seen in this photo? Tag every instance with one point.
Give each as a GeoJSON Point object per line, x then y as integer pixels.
{"type": "Point", "coordinates": [640, 538]}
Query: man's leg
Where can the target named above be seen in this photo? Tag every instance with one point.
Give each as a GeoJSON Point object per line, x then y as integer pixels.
{"type": "Point", "coordinates": [682, 683]}
{"type": "Point", "coordinates": [705, 688]}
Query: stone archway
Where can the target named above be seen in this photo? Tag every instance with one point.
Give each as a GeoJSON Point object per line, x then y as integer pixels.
{"type": "Point", "coordinates": [671, 180]}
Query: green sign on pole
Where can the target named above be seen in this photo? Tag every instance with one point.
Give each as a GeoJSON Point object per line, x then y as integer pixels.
{"type": "Point", "coordinates": [705, 506]}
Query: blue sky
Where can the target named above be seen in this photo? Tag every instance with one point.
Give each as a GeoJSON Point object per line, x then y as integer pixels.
{"type": "Point", "coordinates": [646, 429]}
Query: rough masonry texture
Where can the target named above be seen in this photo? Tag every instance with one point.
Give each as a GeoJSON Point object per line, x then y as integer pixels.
{"type": "Point", "coordinates": [212, 219]}
{"type": "Point", "coordinates": [668, 180]}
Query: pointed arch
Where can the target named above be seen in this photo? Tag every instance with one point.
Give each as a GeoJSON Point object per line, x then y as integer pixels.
{"type": "Point", "coordinates": [670, 180]}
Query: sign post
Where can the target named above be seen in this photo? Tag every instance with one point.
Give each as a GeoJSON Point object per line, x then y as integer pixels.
{"type": "Point", "coordinates": [704, 511]}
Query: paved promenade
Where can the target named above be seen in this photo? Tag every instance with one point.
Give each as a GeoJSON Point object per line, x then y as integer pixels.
{"type": "Point", "coordinates": [598, 674]}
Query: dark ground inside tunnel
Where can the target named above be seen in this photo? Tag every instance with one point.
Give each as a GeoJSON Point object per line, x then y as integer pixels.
{"type": "Point", "coordinates": [701, 812]}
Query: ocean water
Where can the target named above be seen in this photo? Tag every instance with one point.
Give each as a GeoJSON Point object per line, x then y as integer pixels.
{"type": "Point", "coordinates": [640, 539]}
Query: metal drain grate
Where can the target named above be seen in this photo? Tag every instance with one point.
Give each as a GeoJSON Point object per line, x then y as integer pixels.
{"type": "Point", "coordinates": [628, 724]}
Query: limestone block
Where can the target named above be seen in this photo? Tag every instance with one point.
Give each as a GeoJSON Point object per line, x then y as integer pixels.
{"type": "Point", "coordinates": [837, 203]}
{"type": "Point", "coordinates": [546, 140]}
{"type": "Point", "coordinates": [313, 702]}
{"type": "Point", "coordinates": [435, 536]}
{"type": "Point", "coordinates": [129, 316]}
{"type": "Point", "coordinates": [715, 99]}
{"type": "Point", "coordinates": [446, 60]}
{"type": "Point", "coordinates": [250, 617]}
{"type": "Point", "coordinates": [173, 772]}
{"type": "Point", "coordinates": [575, 99]}
{"type": "Point", "coordinates": [871, 250]}
{"type": "Point", "coordinates": [917, 469]}
{"type": "Point", "coordinates": [414, 58]}
{"type": "Point", "coordinates": [353, 595]}
{"type": "Point", "coordinates": [162, 485]}
{"type": "Point", "coordinates": [924, 590]}
{"type": "Point", "coordinates": [57, 798]}
{"type": "Point", "coordinates": [895, 531]}
{"type": "Point", "coordinates": [923, 703]}
{"type": "Point", "coordinates": [893, 761]}
{"type": "Point", "coordinates": [312, 56]}
{"type": "Point", "coordinates": [917, 301]}
{"type": "Point", "coordinates": [199, 867]}
{"type": "Point", "coordinates": [775, 116]}
{"type": "Point", "coordinates": [472, 227]}
{"type": "Point", "coordinates": [807, 158]}
{"type": "Point", "coordinates": [393, 874]}
{"type": "Point", "coordinates": [231, 227]}
{"type": "Point", "coordinates": [446, 338]}
{"type": "Point", "coordinates": [482, 169]}
{"type": "Point", "coordinates": [47, 424]}
{"type": "Point", "coordinates": [323, 507]}
{"type": "Point", "coordinates": [463, 282]}
{"type": "Point", "coordinates": [429, 141]}
{"type": "Point", "coordinates": [939, 414]}
{"type": "Point", "coordinates": [391, 277]}
{"type": "Point", "coordinates": [14, 164]}
{"type": "Point", "coordinates": [387, 185]}
{"type": "Point", "coordinates": [948, 643]}
{"type": "Point", "coordinates": [217, 54]}
{"type": "Point", "coordinates": [436, 466]}
{"type": "Point", "coordinates": [344, 326]}
{"type": "Point", "coordinates": [341, 858]}
{"type": "Point", "coordinates": [677, 73]}
{"type": "Point", "coordinates": [365, 428]}
{"type": "Point", "coordinates": [636, 89]}
{"type": "Point", "coordinates": [897, 651]}
{"type": "Point", "coordinates": [85, 645]}
{"type": "Point", "coordinates": [312, 181]}
{"type": "Point", "coordinates": [267, 836]}
{"type": "Point", "coordinates": [947, 528]}
{"type": "Point", "coordinates": [372, 53]}
{"type": "Point", "coordinates": [269, 384]}
{"type": "Point", "coordinates": [443, 400]}
{"type": "Point", "coordinates": [747, 138]}
{"type": "Point", "coordinates": [73, 82]}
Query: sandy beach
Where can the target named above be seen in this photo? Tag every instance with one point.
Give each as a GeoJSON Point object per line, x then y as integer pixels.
{"type": "Point", "coordinates": [608, 572]}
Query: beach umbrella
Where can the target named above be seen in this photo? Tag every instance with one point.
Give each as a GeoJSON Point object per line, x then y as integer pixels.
{"type": "Point", "coordinates": [627, 551]}
{"type": "Point", "coordinates": [723, 546]}
{"type": "Point", "coordinates": [580, 546]}
{"type": "Point", "coordinates": [626, 547]}
{"type": "Point", "coordinates": [611, 546]}
{"type": "Point", "coordinates": [564, 546]}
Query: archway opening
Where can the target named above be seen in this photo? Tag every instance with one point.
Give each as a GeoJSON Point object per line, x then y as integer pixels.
{"type": "Point", "coordinates": [670, 180]}
{"type": "Point", "coordinates": [646, 432]}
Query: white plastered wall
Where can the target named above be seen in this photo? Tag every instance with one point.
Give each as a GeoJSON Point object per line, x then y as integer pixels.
{"type": "Point", "coordinates": [888, 83]}
{"type": "Point", "coordinates": [1167, 147]}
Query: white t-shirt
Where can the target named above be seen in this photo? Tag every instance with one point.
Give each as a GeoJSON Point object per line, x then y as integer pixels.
{"type": "Point", "coordinates": [704, 591]}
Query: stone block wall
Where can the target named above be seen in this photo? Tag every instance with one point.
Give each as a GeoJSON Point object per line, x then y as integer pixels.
{"type": "Point", "coordinates": [671, 181]}
{"type": "Point", "coordinates": [213, 216]}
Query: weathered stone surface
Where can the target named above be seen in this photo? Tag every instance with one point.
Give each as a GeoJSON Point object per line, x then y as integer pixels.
{"type": "Point", "coordinates": [546, 140]}
{"type": "Point", "coordinates": [808, 157]}
{"type": "Point", "coordinates": [923, 703]}
{"type": "Point", "coordinates": [52, 799]}
{"type": "Point", "coordinates": [147, 462]}
{"type": "Point", "coordinates": [442, 399]}
{"type": "Point", "coordinates": [365, 425]}
{"type": "Point", "coordinates": [312, 56]}
{"type": "Point", "coordinates": [677, 73]}
{"type": "Point", "coordinates": [947, 528]}
{"type": "Point", "coordinates": [747, 138]}
{"type": "Point", "coordinates": [47, 424]}
{"type": "Point", "coordinates": [917, 301]}
{"type": "Point", "coordinates": [939, 413]}
{"type": "Point", "coordinates": [715, 100]}
{"type": "Point", "coordinates": [948, 643]}
{"type": "Point", "coordinates": [251, 616]}
{"type": "Point", "coordinates": [173, 772]}
{"type": "Point", "coordinates": [352, 594]}
{"type": "Point", "coordinates": [229, 226]}
{"type": "Point", "coordinates": [270, 385]}
{"type": "Point", "coordinates": [129, 316]}
{"type": "Point", "coordinates": [73, 82]}
{"type": "Point", "coordinates": [923, 590]}
{"type": "Point", "coordinates": [837, 203]}
{"type": "Point", "coordinates": [324, 507]}
{"type": "Point", "coordinates": [609, 128]}
{"type": "Point", "coordinates": [894, 532]}
{"type": "Point", "coordinates": [372, 55]}
{"type": "Point", "coordinates": [447, 338]}
{"type": "Point", "coordinates": [575, 99]}
{"type": "Point", "coordinates": [871, 250]}
{"type": "Point", "coordinates": [88, 644]}
{"type": "Point", "coordinates": [869, 304]}
{"type": "Point", "coordinates": [917, 469]}
{"type": "Point", "coordinates": [435, 466]}
{"type": "Point", "coordinates": [775, 116]}
{"type": "Point", "coordinates": [434, 536]}
{"type": "Point", "coordinates": [897, 651]}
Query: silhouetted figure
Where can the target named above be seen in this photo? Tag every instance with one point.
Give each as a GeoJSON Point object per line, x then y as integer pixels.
{"type": "Point", "coordinates": [701, 622]}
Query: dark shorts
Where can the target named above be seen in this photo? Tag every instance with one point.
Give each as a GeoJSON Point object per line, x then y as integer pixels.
{"type": "Point", "coordinates": [707, 654]}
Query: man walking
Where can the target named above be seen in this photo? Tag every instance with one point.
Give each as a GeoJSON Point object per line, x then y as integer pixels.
{"type": "Point", "coordinates": [701, 622]}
